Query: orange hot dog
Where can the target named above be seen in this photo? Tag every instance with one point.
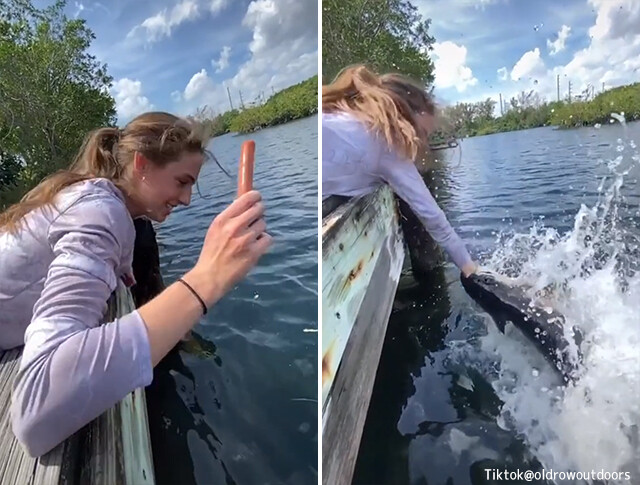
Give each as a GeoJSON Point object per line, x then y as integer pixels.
{"type": "Point", "coordinates": [245, 167]}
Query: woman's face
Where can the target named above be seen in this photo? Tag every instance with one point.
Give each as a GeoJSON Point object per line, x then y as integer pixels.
{"type": "Point", "coordinates": [160, 189]}
{"type": "Point", "coordinates": [427, 122]}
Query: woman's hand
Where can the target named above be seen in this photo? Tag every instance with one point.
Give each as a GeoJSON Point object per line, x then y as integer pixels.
{"type": "Point", "coordinates": [234, 243]}
{"type": "Point", "coordinates": [470, 268]}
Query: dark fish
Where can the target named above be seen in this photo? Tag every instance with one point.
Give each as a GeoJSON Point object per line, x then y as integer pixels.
{"type": "Point", "coordinates": [544, 328]}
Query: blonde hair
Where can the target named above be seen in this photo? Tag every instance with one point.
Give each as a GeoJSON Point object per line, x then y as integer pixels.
{"type": "Point", "coordinates": [389, 104]}
{"type": "Point", "coordinates": [108, 153]}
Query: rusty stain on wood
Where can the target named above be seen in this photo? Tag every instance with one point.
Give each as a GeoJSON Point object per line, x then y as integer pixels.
{"type": "Point", "coordinates": [348, 261]}
{"type": "Point", "coordinates": [355, 272]}
{"type": "Point", "coordinates": [327, 373]}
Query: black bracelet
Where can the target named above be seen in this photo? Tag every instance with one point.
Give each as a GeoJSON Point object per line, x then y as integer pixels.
{"type": "Point", "coordinates": [204, 307]}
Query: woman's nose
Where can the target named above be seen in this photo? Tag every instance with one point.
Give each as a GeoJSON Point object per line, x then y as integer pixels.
{"type": "Point", "coordinates": [185, 197]}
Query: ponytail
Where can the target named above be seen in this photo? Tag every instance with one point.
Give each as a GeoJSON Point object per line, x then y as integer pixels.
{"type": "Point", "coordinates": [389, 105]}
{"type": "Point", "coordinates": [108, 153]}
{"type": "Point", "coordinates": [98, 155]}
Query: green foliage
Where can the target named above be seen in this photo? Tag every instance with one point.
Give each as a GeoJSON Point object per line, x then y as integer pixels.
{"type": "Point", "coordinates": [387, 35]}
{"type": "Point", "coordinates": [625, 99]}
{"type": "Point", "coordinates": [52, 92]}
{"type": "Point", "coordinates": [292, 103]}
{"type": "Point", "coordinates": [528, 111]}
{"type": "Point", "coordinates": [222, 123]}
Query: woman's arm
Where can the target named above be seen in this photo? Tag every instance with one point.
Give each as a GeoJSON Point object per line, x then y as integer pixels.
{"type": "Point", "coordinates": [73, 368]}
{"type": "Point", "coordinates": [407, 183]}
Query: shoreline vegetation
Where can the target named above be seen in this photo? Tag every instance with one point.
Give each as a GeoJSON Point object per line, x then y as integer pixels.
{"type": "Point", "coordinates": [292, 103]}
{"type": "Point", "coordinates": [44, 121]}
{"type": "Point", "coordinates": [394, 37]}
{"type": "Point", "coordinates": [528, 110]}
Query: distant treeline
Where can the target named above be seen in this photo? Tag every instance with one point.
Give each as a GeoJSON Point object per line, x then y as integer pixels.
{"type": "Point", "coordinates": [292, 103]}
{"type": "Point", "coordinates": [527, 110]}
{"type": "Point", "coordinates": [625, 99]}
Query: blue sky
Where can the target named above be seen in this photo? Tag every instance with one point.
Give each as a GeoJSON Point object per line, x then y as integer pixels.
{"type": "Point", "coordinates": [178, 55]}
{"type": "Point", "coordinates": [487, 47]}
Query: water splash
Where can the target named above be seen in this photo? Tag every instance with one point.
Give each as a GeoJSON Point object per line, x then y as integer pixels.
{"type": "Point", "coordinates": [590, 275]}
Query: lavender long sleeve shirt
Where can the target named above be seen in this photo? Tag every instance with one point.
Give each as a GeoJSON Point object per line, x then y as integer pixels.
{"type": "Point", "coordinates": [56, 275]}
{"type": "Point", "coordinates": [355, 162]}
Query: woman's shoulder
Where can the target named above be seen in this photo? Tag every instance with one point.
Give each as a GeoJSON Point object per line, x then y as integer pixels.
{"type": "Point", "coordinates": [349, 128]}
{"type": "Point", "coordinates": [97, 203]}
{"type": "Point", "coordinates": [342, 119]}
{"type": "Point", "coordinates": [94, 188]}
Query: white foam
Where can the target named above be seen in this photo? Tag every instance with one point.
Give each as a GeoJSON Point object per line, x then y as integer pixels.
{"type": "Point", "coordinates": [584, 273]}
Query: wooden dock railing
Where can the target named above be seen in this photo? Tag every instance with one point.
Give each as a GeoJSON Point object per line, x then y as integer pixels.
{"type": "Point", "coordinates": [114, 449]}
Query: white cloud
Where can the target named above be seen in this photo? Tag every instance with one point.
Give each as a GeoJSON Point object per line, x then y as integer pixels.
{"type": "Point", "coordinates": [223, 62]}
{"type": "Point", "coordinates": [276, 23]}
{"type": "Point", "coordinates": [129, 99]}
{"type": "Point", "coordinates": [612, 56]}
{"type": "Point", "coordinates": [481, 4]}
{"type": "Point", "coordinates": [82, 8]}
{"type": "Point", "coordinates": [616, 19]}
{"type": "Point", "coordinates": [450, 68]}
{"type": "Point", "coordinates": [559, 44]}
{"type": "Point", "coordinates": [176, 96]}
{"type": "Point", "coordinates": [216, 6]}
{"type": "Point", "coordinates": [284, 51]}
{"type": "Point", "coordinates": [503, 73]}
{"type": "Point", "coordinates": [79, 8]}
{"type": "Point", "coordinates": [530, 64]}
{"type": "Point", "coordinates": [199, 84]}
{"type": "Point", "coordinates": [164, 22]}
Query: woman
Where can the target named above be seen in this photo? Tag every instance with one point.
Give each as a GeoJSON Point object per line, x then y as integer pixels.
{"type": "Point", "coordinates": [373, 128]}
{"type": "Point", "coordinates": [63, 249]}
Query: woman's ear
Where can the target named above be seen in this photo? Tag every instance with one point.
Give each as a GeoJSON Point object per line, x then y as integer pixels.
{"type": "Point", "coordinates": [140, 164]}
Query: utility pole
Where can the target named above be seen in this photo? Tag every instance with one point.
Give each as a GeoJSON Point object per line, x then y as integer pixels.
{"type": "Point", "coordinates": [603, 87]}
{"type": "Point", "coordinates": [569, 90]}
{"type": "Point", "coordinates": [501, 112]}
{"type": "Point", "coordinates": [229, 93]}
{"type": "Point", "coordinates": [241, 101]}
{"type": "Point", "coordinates": [558, 86]}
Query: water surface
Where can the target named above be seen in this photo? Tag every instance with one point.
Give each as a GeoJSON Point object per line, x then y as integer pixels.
{"type": "Point", "coordinates": [238, 404]}
{"type": "Point", "coordinates": [453, 397]}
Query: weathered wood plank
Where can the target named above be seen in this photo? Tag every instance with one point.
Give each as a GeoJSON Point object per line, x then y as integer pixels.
{"type": "Point", "coordinates": [344, 419]}
{"type": "Point", "coordinates": [363, 252]}
{"type": "Point", "coordinates": [119, 443]}
{"type": "Point", "coordinates": [352, 240]}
